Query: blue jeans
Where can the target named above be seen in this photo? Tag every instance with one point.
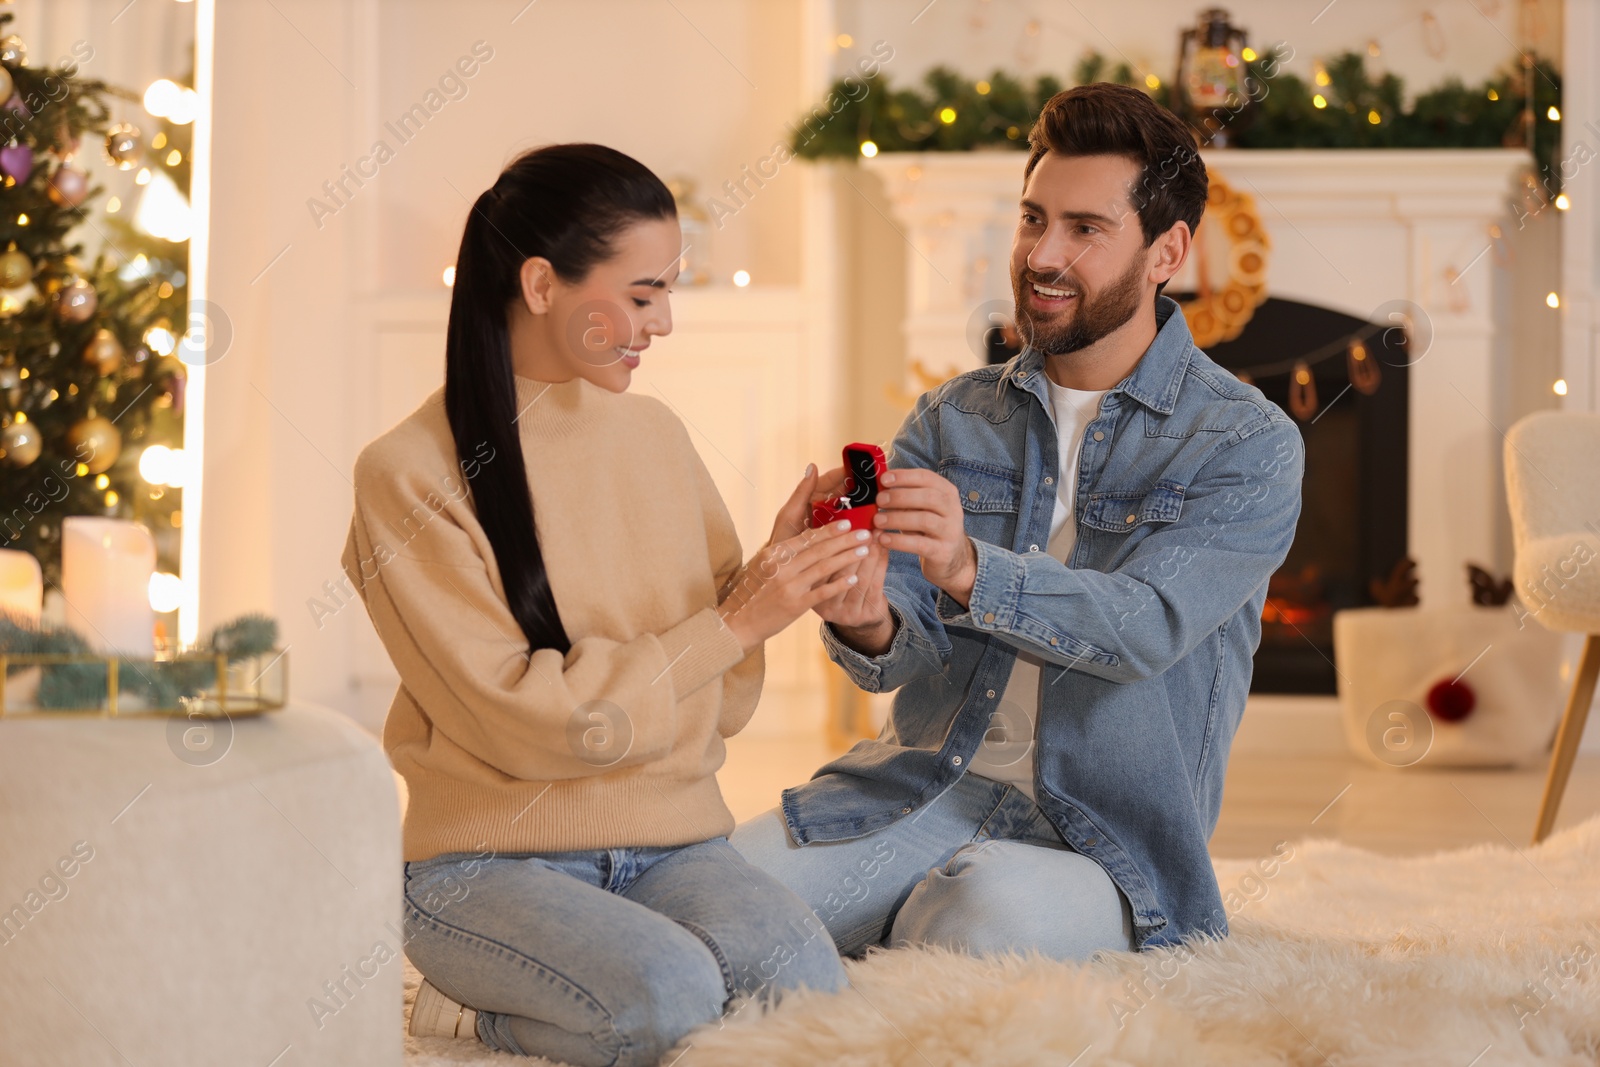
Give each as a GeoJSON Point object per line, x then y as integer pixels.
{"type": "Point", "coordinates": [978, 869]}
{"type": "Point", "coordinates": [608, 957]}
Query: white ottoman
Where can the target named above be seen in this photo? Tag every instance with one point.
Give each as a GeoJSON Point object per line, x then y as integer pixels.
{"type": "Point", "coordinates": [1509, 670]}
{"type": "Point", "coordinates": [176, 897]}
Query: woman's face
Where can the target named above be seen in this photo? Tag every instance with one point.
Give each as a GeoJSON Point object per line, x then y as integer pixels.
{"type": "Point", "coordinates": [598, 328]}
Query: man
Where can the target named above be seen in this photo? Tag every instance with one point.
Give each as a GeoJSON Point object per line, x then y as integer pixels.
{"type": "Point", "coordinates": [1078, 546]}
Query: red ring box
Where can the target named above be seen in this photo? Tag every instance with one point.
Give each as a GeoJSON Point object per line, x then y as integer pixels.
{"type": "Point", "coordinates": [857, 504]}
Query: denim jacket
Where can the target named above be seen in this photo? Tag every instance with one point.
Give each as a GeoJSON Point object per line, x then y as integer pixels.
{"type": "Point", "coordinates": [1188, 491]}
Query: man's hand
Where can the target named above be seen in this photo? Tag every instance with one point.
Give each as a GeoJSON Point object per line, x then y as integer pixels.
{"type": "Point", "coordinates": [922, 515]}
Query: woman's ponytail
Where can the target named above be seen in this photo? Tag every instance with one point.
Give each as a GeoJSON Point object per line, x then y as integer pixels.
{"type": "Point", "coordinates": [565, 203]}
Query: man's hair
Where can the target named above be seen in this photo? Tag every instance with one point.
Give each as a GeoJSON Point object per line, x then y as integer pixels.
{"type": "Point", "coordinates": [1103, 119]}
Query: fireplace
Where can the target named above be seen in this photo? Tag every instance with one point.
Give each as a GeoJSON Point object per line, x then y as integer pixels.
{"type": "Point", "coordinates": [1352, 525]}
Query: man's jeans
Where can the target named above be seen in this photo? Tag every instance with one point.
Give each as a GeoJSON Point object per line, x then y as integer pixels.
{"type": "Point", "coordinates": [979, 869]}
{"type": "Point", "coordinates": [608, 956]}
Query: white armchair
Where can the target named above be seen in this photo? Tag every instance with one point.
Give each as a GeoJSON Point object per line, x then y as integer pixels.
{"type": "Point", "coordinates": [1552, 462]}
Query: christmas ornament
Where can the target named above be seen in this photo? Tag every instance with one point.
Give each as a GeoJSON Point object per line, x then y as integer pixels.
{"type": "Point", "coordinates": [124, 150]}
{"type": "Point", "coordinates": [1451, 700]}
{"type": "Point", "coordinates": [15, 102]}
{"type": "Point", "coordinates": [15, 268]}
{"type": "Point", "coordinates": [1218, 314]}
{"type": "Point", "coordinates": [13, 52]}
{"type": "Point", "coordinates": [21, 443]}
{"type": "Point", "coordinates": [7, 86]}
{"type": "Point", "coordinates": [16, 161]}
{"type": "Point", "coordinates": [76, 301]}
{"type": "Point", "coordinates": [103, 352]}
{"type": "Point", "coordinates": [97, 442]}
{"type": "Point", "coordinates": [68, 186]}
{"type": "Point", "coordinates": [11, 384]}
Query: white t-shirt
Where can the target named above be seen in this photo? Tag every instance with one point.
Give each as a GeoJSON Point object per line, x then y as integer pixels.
{"type": "Point", "coordinates": [1006, 753]}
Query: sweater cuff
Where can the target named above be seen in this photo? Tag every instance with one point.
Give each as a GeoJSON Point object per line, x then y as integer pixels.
{"type": "Point", "coordinates": [699, 649]}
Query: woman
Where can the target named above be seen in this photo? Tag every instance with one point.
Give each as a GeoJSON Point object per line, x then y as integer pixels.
{"type": "Point", "coordinates": [559, 585]}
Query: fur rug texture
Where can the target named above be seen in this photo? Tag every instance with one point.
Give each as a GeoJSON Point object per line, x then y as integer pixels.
{"type": "Point", "coordinates": [1481, 957]}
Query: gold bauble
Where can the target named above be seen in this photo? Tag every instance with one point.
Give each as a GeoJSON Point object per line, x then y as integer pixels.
{"type": "Point", "coordinates": [15, 268]}
{"type": "Point", "coordinates": [103, 352]}
{"type": "Point", "coordinates": [124, 150]}
{"type": "Point", "coordinates": [97, 443]}
{"type": "Point", "coordinates": [7, 85]}
{"type": "Point", "coordinates": [13, 52]}
{"type": "Point", "coordinates": [21, 443]}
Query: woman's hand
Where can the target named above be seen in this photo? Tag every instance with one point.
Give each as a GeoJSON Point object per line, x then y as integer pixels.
{"type": "Point", "coordinates": [860, 616]}
{"type": "Point", "coordinates": [789, 577]}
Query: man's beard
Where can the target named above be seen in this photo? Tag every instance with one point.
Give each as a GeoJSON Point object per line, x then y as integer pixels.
{"type": "Point", "coordinates": [1093, 319]}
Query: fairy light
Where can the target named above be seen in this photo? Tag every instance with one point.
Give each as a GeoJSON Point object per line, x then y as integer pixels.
{"type": "Point", "coordinates": [983, 88]}
{"type": "Point", "coordinates": [1151, 81]}
{"type": "Point", "coordinates": [450, 275]}
{"type": "Point", "coordinates": [869, 149]}
{"type": "Point", "coordinates": [1562, 203]}
{"type": "Point", "coordinates": [1554, 114]}
{"type": "Point", "coordinates": [1559, 387]}
{"type": "Point", "coordinates": [947, 115]}
{"type": "Point", "coordinates": [1247, 53]}
{"type": "Point", "coordinates": [1374, 118]}
{"type": "Point", "coordinates": [1552, 300]}
{"type": "Point", "coordinates": [741, 278]}
{"type": "Point", "coordinates": [1319, 101]}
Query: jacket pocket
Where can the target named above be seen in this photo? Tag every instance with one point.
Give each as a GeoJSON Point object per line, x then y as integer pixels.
{"type": "Point", "coordinates": [989, 498]}
{"type": "Point", "coordinates": [1122, 512]}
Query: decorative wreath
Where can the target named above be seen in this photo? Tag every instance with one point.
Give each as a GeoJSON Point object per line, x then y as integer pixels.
{"type": "Point", "coordinates": [1220, 314]}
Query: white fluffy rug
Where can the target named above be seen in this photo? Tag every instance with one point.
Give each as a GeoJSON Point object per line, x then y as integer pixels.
{"type": "Point", "coordinates": [1485, 956]}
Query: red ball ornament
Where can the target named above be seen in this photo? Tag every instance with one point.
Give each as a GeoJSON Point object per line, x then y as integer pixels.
{"type": "Point", "coordinates": [1451, 701]}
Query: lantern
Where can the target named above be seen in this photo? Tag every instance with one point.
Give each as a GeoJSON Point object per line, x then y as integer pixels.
{"type": "Point", "coordinates": [1210, 89]}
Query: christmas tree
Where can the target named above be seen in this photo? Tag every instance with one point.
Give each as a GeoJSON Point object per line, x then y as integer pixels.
{"type": "Point", "coordinates": [91, 374]}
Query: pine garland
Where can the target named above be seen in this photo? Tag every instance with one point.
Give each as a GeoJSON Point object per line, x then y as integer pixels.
{"type": "Point", "coordinates": [997, 112]}
{"type": "Point", "coordinates": [157, 683]}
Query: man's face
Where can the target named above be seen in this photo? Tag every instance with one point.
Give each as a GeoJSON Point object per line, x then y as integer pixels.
{"type": "Point", "coordinates": [1079, 266]}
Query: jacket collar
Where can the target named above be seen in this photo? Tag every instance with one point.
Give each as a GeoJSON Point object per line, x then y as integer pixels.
{"type": "Point", "coordinates": [1154, 380]}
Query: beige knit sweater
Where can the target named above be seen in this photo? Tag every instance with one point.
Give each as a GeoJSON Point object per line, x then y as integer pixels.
{"type": "Point", "coordinates": [616, 743]}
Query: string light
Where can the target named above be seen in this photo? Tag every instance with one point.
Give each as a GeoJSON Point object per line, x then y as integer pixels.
{"type": "Point", "coordinates": [1562, 203]}
{"type": "Point", "coordinates": [1554, 114]}
{"type": "Point", "coordinates": [869, 148]}
{"type": "Point", "coordinates": [1152, 81]}
{"type": "Point", "coordinates": [1552, 300]}
{"type": "Point", "coordinates": [1319, 101]}
{"type": "Point", "coordinates": [1248, 54]}
{"type": "Point", "coordinates": [741, 278]}
{"type": "Point", "coordinates": [1374, 118]}
{"type": "Point", "coordinates": [1560, 387]}
{"type": "Point", "coordinates": [450, 275]}
{"type": "Point", "coordinates": [947, 115]}
{"type": "Point", "coordinates": [983, 88]}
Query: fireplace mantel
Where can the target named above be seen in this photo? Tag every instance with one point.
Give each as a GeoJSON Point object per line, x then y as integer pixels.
{"type": "Point", "coordinates": [1365, 232]}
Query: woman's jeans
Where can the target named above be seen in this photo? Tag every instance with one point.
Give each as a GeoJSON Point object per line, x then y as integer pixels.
{"type": "Point", "coordinates": [608, 956]}
{"type": "Point", "coordinates": [979, 869]}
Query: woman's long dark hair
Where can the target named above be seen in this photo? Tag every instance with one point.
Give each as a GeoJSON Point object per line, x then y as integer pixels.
{"type": "Point", "coordinates": [567, 203]}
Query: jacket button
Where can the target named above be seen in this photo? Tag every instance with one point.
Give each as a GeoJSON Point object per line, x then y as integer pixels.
{"type": "Point", "coordinates": [1053, 641]}
{"type": "Point", "coordinates": [956, 760]}
{"type": "Point", "coordinates": [988, 616]}
{"type": "Point", "coordinates": [1049, 480]}
{"type": "Point", "coordinates": [1130, 518]}
{"type": "Point", "coordinates": [1090, 841]}
{"type": "Point", "coordinates": [905, 811]}
{"type": "Point", "coordinates": [972, 494]}
{"type": "Point", "coordinates": [991, 694]}
{"type": "Point", "coordinates": [1098, 436]}
{"type": "Point", "coordinates": [1033, 548]}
